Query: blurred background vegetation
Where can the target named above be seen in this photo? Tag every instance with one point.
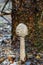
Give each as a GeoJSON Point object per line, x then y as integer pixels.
{"type": "Point", "coordinates": [29, 12]}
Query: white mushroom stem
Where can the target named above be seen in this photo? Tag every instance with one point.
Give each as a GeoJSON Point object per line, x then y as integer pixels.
{"type": "Point", "coordinates": [22, 48]}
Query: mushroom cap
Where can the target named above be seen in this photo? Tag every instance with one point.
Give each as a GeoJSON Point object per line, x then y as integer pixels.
{"type": "Point", "coordinates": [21, 30]}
